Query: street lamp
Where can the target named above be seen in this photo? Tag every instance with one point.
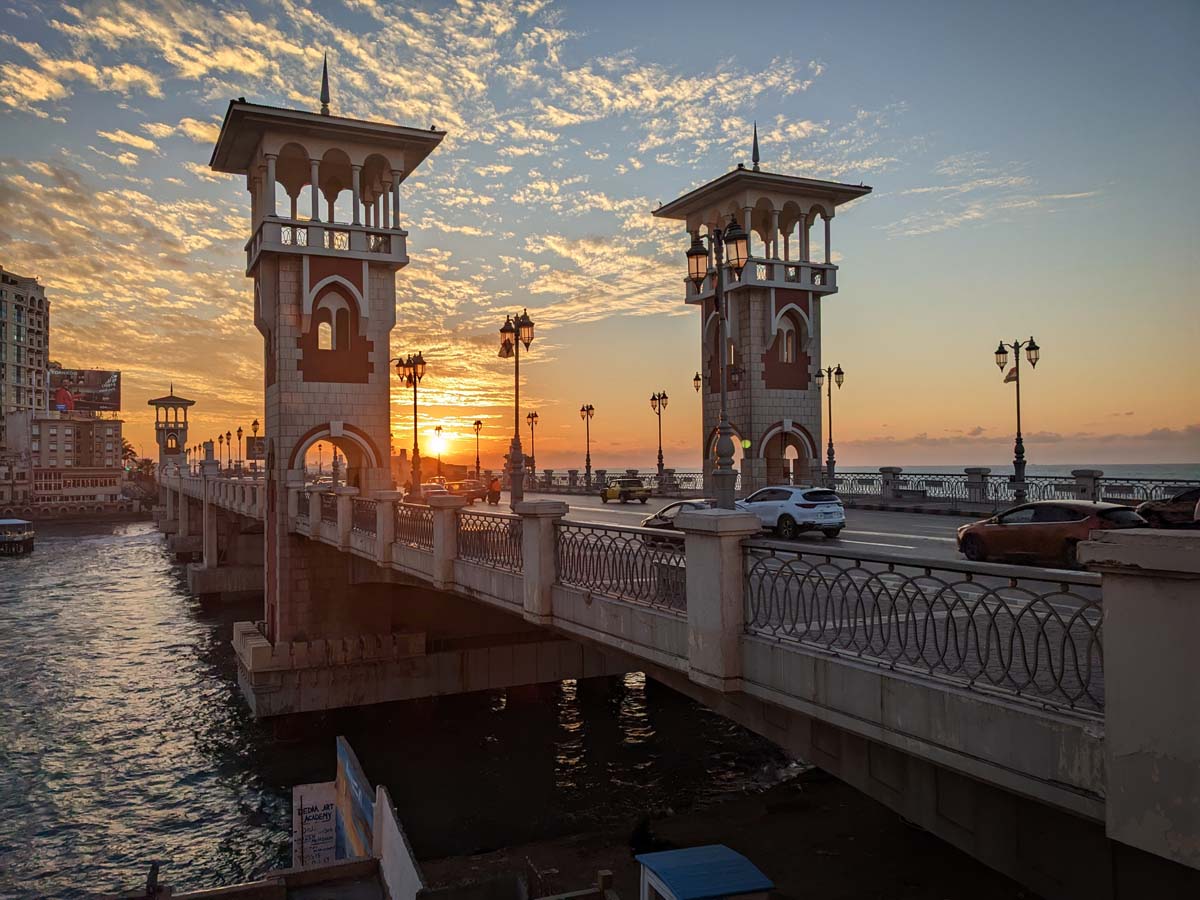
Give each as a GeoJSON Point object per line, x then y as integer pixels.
{"type": "Point", "coordinates": [836, 376]}
{"type": "Point", "coordinates": [228, 451]}
{"type": "Point", "coordinates": [254, 431]}
{"type": "Point", "coordinates": [532, 419]}
{"type": "Point", "coordinates": [437, 429]}
{"type": "Point", "coordinates": [697, 381]}
{"type": "Point", "coordinates": [239, 437]}
{"type": "Point", "coordinates": [658, 403]}
{"type": "Point", "coordinates": [517, 330]}
{"type": "Point", "coordinates": [586, 411]}
{"type": "Point", "coordinates": [411, 370]}
{"type": "Point", "coordinates": [221, 450]}
{"type": "Point", "coordinates": [733, 240]}
{"type": "Point", "coordinates": [1033, 353]}
{"type": "Point", "coordinates": [478, 426]}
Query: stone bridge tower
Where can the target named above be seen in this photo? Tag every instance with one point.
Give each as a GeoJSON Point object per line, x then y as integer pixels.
{"type": "Point", "coordinates": [171, 429]}
{"type": "Point", "coordinates": [325, 243]}
{"type": "Point", "coordinates": [774, 317]}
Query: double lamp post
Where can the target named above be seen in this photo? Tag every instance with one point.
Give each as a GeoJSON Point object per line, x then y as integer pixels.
{"type": "Point", "coordinates": [517, 330]}
{"type": "Point", "coordinates": [1033, 353]}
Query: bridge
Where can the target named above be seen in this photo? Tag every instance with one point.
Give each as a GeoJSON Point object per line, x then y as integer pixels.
{"type": "Point", "coordinates": [1043, 721]}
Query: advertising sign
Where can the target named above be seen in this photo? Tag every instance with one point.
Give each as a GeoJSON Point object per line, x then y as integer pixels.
{"type": "Point", "coordinates": [314, 824]}
{"type": "Point", "coordinates": [94, 390]}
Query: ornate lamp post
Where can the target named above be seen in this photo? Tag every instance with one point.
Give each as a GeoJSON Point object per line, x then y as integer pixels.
{"type": "Point", "coordinates": [228, 451]}
{"type": "Point", "coordinates": [697, 381]}
{"type": "Point", "coordinates": [532, 420]}
{"type": "Point", "coordinates": [221, 449]}
{"type": "Point", "coordinates": [733, 240]}
{"type": "Point", "coordinates": [517, 330]}
{"type": "Point", "coordinates": [239, 437]}
{"type": "Point", "coordinates": [836, 376]}
{"type": "Point", "coordinates": [254, 431]}
{"type": "Point", "coordinates": [411, 370]}
{"type": "Point", "coordinates": [586, 412]}
{"type": "Point", "coordinates": [658, 403]}
{"type": "Point", "coordinates": [1033, 353]}
{"type": "Point", "coordinates": [478, 426]}
{"type": "Point", "coordinates": [437, 429]}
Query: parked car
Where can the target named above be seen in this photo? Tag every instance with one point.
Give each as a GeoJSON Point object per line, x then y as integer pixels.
{"type": "Point", "coordinates": [1046, 531]}
{"type": "Point", "coordinates": [788, 510]}
{"type": "Point", "coordinates": [433, 489]}
{"type": "Point", "coordinates": [664, 520]}
{"type": "Point", "coordinates": [471, 489]}
{"type": "Point", "coordinates": [624, 490]}
{"type": "Point", "coordinates": [1178, 512]}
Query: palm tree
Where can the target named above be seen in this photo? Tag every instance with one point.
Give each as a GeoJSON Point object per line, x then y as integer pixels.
{"type": "Point", "coordinates": [128, 453]}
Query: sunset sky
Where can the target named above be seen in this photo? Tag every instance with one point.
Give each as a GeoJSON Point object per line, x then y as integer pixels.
{"type": "Point", "coordinates": [1033, 165]}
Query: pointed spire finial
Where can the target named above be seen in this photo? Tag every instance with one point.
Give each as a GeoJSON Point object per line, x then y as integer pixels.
{"type": "Point", "coordinates": [325, 85]}
{"type": "Point", "coordinates": [171, 392]}
{"type": "Point", "coordinates": [754, 153]}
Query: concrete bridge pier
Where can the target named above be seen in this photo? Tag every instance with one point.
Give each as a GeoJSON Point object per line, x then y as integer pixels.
{"type": "Point", "coordinates": [186, 542]}
{"type": "Point", "coordinates": [231, 545]}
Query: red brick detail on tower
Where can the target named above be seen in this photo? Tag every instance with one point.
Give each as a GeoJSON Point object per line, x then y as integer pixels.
{"type": "Point", "coordinates": [349, 360]}
{"type": "Point", "coordinates": [321, 267]}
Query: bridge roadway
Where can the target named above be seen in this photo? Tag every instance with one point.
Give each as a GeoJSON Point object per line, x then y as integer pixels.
{"type": "Point", "coordinates": [867, 660]}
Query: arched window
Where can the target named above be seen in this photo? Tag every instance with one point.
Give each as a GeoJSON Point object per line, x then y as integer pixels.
{"type": "Point", "coordinates": [787, 343]}
{"type": "Point", "coordinates": [324, 336]}
{"type": "Point", "coordinates": [172, 443]}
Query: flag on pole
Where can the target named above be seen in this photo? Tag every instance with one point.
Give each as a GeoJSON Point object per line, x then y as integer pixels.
{"type": "Point", "coordinates": [1011, 376]}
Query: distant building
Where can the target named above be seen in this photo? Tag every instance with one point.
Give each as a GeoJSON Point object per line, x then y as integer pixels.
{"type": "Point", "coordinates": [24, 349]}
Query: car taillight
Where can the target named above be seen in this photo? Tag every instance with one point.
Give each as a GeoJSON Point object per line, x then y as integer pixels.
{"type": "Point", "coordinates": [806, 505]}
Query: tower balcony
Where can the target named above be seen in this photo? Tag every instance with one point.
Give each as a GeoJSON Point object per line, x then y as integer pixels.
{"type": "Point", "coordinates": [820, 278]}
{"type": "Point", "coordinates": [276, 234]}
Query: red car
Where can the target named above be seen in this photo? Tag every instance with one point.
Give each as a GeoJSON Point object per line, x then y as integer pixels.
{"type": "Point", "coordinates": [1047, 531]}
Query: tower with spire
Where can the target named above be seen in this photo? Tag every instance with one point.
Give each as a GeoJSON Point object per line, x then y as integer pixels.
{"type": "Point", "coordinates": [773, 315]}
{"type": "Point", "coordinates": [326, 241]}
{"type": "Point", "coordinates": [171, 429]}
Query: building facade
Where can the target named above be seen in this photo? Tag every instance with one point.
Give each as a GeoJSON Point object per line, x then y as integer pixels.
{"type": "Point", "coordinates": [24, 350]}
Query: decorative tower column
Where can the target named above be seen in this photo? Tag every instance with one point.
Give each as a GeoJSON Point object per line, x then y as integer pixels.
{"type": "Point", "coordinates": [171, 429]}
{"type": "Point", "coordinates": [772, 320]}
{"type": "Point", "coordinates": [325, 303]}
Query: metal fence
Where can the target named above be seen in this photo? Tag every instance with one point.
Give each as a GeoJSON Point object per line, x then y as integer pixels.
{"type": "Point", "coordinates": [491, 539]}
{"type": "Point", "coordinates": [635, 564]}
{"type": "Point", "coordinates": [1137, 490]}
{"type": "Point", "coordinates": [329, 508]}
{"type": "Point", "coordinates": [302, 506]}
{"type": "Point", "coordinates": [414, 525]}
{"type": "Point", "coordinates": [990, 628]}
{"type": "Point", "coordinates": [362, 516]}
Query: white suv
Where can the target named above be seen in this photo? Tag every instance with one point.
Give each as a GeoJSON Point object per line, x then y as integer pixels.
{"type": "Point", "coordinates": [789, 510]}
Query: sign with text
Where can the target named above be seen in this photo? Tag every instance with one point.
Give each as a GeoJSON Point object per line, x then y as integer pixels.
{"type": "Point", "coordinates": [314, 824]}
{"type": "Point", "coordinates": [96, 390]}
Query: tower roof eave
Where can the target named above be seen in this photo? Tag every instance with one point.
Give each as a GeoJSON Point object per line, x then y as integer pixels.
{"type": "Point", "coordinates": [245, 123]}
{"type": "Point", "coordinates": [730, 183]}
{"type": "Point", "coordinates": [170, 400]}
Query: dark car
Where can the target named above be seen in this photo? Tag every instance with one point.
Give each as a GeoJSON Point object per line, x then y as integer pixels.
{"type": "Point", "coordinates": [1048, 531]}
{"type": "Point", "coordinates": [471, 489]}
{"type": "Point", "coordinates": [664, 520]}
{"type": "Point", "coordinates": [1178, 512]}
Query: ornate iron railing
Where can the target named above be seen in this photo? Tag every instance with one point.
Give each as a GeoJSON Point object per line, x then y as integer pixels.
{"type": "Point", "coordinates": [1137, 490]}
{"type": "Point", "coordinates": [858, 484]}
{"type": "Point", "coordinates": [414, 525]}
{"type": "Point", "coordinates": [491, 539]}
{"type": "Point", "coordinates": [336, 240]}
{"type": "Point", "coordinates": [329, 508]}
{"type": "Point", "coordinates": [302, 505]}
{"type": "Point", "coordinates": [637, 564]}
{"type": "Point", "coordinates": [362, 516]}
{"type": "Point", "coordinates": [984, 627]}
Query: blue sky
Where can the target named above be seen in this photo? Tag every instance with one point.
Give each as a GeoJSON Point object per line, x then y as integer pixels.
{"type": "Point", "coordinates": [1033, 166]}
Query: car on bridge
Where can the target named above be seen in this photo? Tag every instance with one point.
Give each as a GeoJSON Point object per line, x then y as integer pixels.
{"type": "Point", "coordinates": [471, 489]}
{"type": "Point", "coordinates": [1046, 531]}
{"type": "Point", "coordinates": [663, 521]}
{"type": "Point", "coordinates": [788, 510]}
{"type": "Point", "coordinates": [625, 489]}
{"type": "Point", "coordinates": [1177, 512]}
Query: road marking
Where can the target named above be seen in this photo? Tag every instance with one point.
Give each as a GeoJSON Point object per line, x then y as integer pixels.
{"type": "Point", "coordinates": [911, 537]}
{"type": "Point", "coordinates": [877, 544]}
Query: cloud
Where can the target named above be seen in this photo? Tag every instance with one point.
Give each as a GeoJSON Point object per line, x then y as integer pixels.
{"type": "Point", "coordinates": [124, 137]}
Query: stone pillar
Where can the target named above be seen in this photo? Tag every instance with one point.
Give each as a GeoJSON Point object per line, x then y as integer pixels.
{"type": "Point", "coordinates": [314, 167]}
{"type": "Point", "coordinates": [572, 480]}
{"type": "Point", "coordinates": [828, 252]}
{"type": "Point", "coordinates": [774, 234]}
{"type": "Point", "coordinates": [746, 217]}
{"type": "Point", "coordinates": [977, 488]}
{"type": "Point", "coordinates": [356, 189]}
{"type": "Point", "coordinates": [396, 199]}
{"type": "Point", "coordinates": [548, 484]}
{"type": "Point", "coordinates": [271, 209]}
{"type": "Point", "coordinates": [889, 482]}
{"type": "Point", "coordinates": [345, 514]}
{"type": "Point", "coordinates": [170, 504]}
{"type": "Point", "coordinates": [715, 593]}
{"type": "Point", "coordinates": [1151, 600]}
{"type": "Point", "coordinates": [802, 238]}
{"type": "Point", "coordinates": [538, 518]}
{"type": "Point", "coordinates": [445, 537]}
{"type": "Point", "coordinates": [1087, 483]}
{"type": "Point", "coordinates": [208, 546]}
{"type": "Point", "coordinates": [387, 204]}
{"type": "Point", "coordinates": [385, 524]}
{"type": "Point", "coordinates": [185, 518]}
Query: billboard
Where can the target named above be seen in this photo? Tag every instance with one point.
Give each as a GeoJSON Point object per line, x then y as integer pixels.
{"type": "Point", "coordinates": [96, 390]}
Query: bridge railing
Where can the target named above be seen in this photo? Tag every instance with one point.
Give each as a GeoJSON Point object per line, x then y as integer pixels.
{"type": "Point", "coordinates": [362, 515]}
{"type": "Point", "coordinates": [490, 539]}
{"type": "Point", "coordinates": [636, 564]}
{"type": "Point", "coordinates": [329, 507]}
{"type": "Point", "coordinates": [414, 525]}
{"type": "Point", "coordinates": [991, 628]}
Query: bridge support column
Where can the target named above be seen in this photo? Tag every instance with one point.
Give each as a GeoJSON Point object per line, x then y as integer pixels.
{"type": "Point", "coordinates": [209, 553]}
{"type": "Point", "coordinates": [1151, 593]}
{"type": "Point", "coordinates": [715, 588]}
{"type": "Point", "coordinates": [538, 518]}
{"type": "Point", "coordinates": [445, 538]}
{"type": "Point", "coordinates": [385, 524]}
{"type": "Point", "coordinates": [345, 514]}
